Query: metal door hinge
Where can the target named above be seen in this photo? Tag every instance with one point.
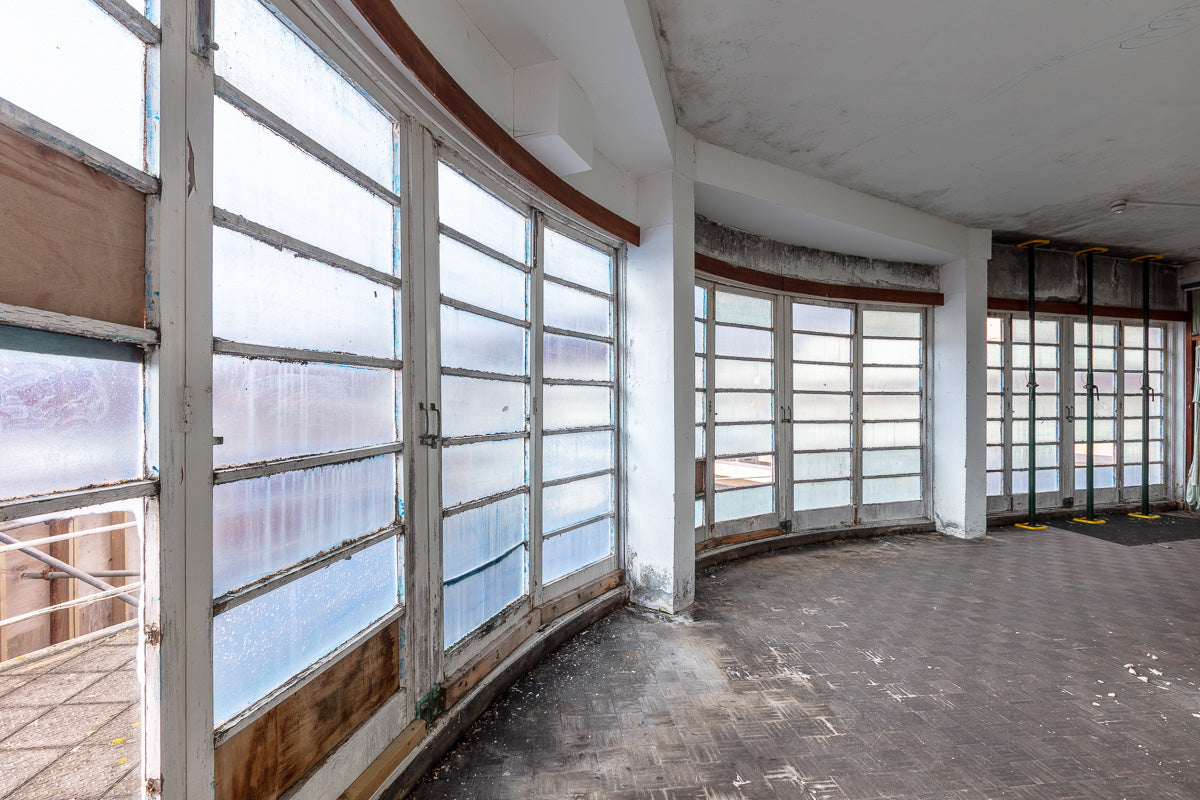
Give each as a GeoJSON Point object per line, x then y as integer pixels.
{"type": "Point", "coordinates": [430, 706]}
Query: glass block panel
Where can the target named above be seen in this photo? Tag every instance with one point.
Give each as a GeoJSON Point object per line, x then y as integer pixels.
{"type": "Point", "coordinates": [821, 407]}
{"type": "Point", "coordinates": [822, 319]}
{"type": "Point", "coordinates": [732, 374]}
{"type": "Point", "coordinates": [472, 407]}
{"type": "Point", "coordinates": [830, 436]}
{"type": "Point", "coordinates": [741, 309]}
{"type": "Point", "coordinates": [732, 473]}
{"type": "Point", "coordinates": [811, 347]}
{"type": "Point", "coordinates": [739, 503]}
{"type": "Point", "coordinates": [578, 263]}
{"type": "Point", "coordinates": [577, 549]}
{"type": "Point", "coordinates": [891, 462]}
{"type": "Point", "coordinates": [743, 406]}
{"type": "Point", "coordinates": [468, 208]}
{"type": "Point", "coordinates": [567, 504]}
{"type": "Point", "coordinates": [743, 342]}
{"type": "Point", "coordinates": [891, 379]}
{"type": "Point", "coordinates": [906, 324]}
{"type": "Point", "coordinates": [470, 341]}
{"type": "Point", "coordinates": [565, 357]}
{"type": "Point", "coordinates": [576, 406]}
{"type": "Point", "coordinates": [820, 466]}
{"type": "Point", "coordinates": [892, 406]}
{"type": "Point", "coordinates": [735, 439]}
{"type": "Point", "coordinates": [267, 409]}
{"type": "Point", "coordinates": [576, 311]}
{"type": "Point", "coordinates": [468, 275]}
{"type": "Point", "coordinates": [567, 454]}
{"type": "Point", "coordinates": [474, 471]}
{"type": "Point", "coordinates": [474, 538]}
{"type": "Point", "coordinates": [891, 490]}
{"type": "Point", "coordinates": [821, 378]}
{"type": "Point", "coordinates": [891, 351]}
{"type": "Point", "coordinates": [823, 494]}
{"type": "Point", "coordinates": [475, 599]}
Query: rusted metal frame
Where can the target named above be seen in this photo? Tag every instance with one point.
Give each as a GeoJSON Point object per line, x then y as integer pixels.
{"type": "Point", "coordinates": [23, 507]}
{"type": "Point", "coordinates": [74, 572]}
{"type": "Point", "coordinates": [591, 337]}
{"type": "Point", "coordinates": [229, 348]}
{"type": "Point", "coordinates": [579, 287]}
{"type": "Point", "coordinates": [132, 19]}
{"type": "Point", "coordinates": [72, 325]}
{"type": "Point", "coordinates": [495, 497]}
{"type": "Point", "coordinates": [300, 463]}
{"type": "Point", "coordinates": [257, 588]}
{"type": "Point", "coordinates": [61, 537]}
{"type": "Point", "coordinates": [235, 222]}
{"type": "Point", "coordinates": [483, 312]}
{"type": "Point", "coordinates": [69, 604]}
{"type": "Point", "coordinates": [574, 526]}
{"type": "Point", "coordinates": [18, 119]}
{"type": "Point", "coordinates": [460, 372]}
{"type": "Point", "coordinates": [585, 476]}
{"type": "Point", "coordinates": [462, 238]}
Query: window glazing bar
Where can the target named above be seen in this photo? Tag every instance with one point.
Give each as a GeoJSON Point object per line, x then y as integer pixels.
{"type": "Point", "coordinates": [76, 326]}
{"type": "Point", "coordinates": [228, 348]}
{"type": "Point", "coordinates": [462, 238]}
{"type": "Point", "coordinates": [483, 312]}
{"type": "Point", "coordinates": [589, 429]}
{"type": "Point", "coordinates": [578, 525]}
{"type": "Point", "coordinates": [579, 287]}
{"type": "Point", "coordinates": [577, 334]}
{"type": "Point", "coordinates": [459, 372]}
{"type": "Point", "coordinates": [482, 568]}
{"type": "Point", "coordinates": [485, 501]}
{"type": "Point", "coordinates": [132, 19]}
{"type": "Point", "coordinates": [576, 382]}
{"type": "Point", "coordinates": [573, 478]}
{"type": "Point", "coordinates": [299, 463]}
{"type": "Point", "coordinates": [450, 441]}
{"type": "Point", "coordinates": [69, 501]}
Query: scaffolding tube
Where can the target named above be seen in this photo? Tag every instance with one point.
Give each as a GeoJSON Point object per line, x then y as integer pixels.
{"type": "Point", "coordinates": [1032, 524]}
{"type": "Point", "coordinates": [1090, 516]}
{"type": "Point", "coordinates": [78, 601]}
{"type": "Point", "coordinates": [63, 566]}
{"type": "Point", "coordinates": [1146, 390]}
{"type": "Point", "coordinates": [47, 575]}
{"type": "Point", "coordinates": [62, 537]}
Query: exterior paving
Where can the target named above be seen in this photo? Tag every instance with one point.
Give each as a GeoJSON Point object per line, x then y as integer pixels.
{"type": "Point", "coordinates": [1027, 665]}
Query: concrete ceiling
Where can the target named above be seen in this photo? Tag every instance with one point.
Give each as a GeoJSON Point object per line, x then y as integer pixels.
{"type": "Point", "coordinates": [1020, 116]}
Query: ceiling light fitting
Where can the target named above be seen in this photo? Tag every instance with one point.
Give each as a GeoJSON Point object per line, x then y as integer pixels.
{"type": "Point", "coordinates": [1119, 206]}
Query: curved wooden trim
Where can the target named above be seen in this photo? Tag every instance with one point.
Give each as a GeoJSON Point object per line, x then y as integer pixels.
{"type": "Point", "coordinates": [1080, 310]}
{"type": "Point", "coordinates": [832, 291]}
{"type": "Point", "coordinates": [383, 17]}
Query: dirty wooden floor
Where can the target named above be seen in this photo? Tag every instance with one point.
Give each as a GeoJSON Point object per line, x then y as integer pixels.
{"type": "Point", "coordinates": [70, 723]}
{"type": "Point", "coordinates": [1027, 665]}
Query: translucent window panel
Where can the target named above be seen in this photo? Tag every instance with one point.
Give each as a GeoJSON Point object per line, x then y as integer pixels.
{"type": "Point", "coordinates": [1104, 430]}
{"type": "Point", "coordinates": [1132, 406]}
{"type": "Point", "coordinates": [473, 277]}
{"type": "Point", "coordinates": [821, 378]}
{"type": "Point", "coordinates": [819, 466]}
{"type": "Point", "coordinates": [1102, 478]}
{"type": "Point", "coordinates": [701, 294]}
{"type": "Point", "coordinates": [1133, 382]}
{"type": "Point", "coordinates": [699, 521]}
{"type": "Point", "coordinates": [995, 458]}
{"type": "Point", "coordinates": [266, 60]}
{"type": "Point", "coordinates": [891, 406]}
{"type": "Point", "coordinates": [743, 310]}
{"type": "Point", "coordinates": [70, 412]}
{"type": "Point", "coordinates": [905, 324]}
{"type": "Point", "coordinates": [732, 374]}
{"type": "Point", "coordinates": [566, 357]}
{"type": "Point", "coordinates": [823, 494]}
{"type": "Point", "coordinates": [1133, 429]}
{"type": "Point", "coordinates": [1132, 475]}
{"type": "Point", "coordinates": [1102, 335]}
{"type": "Point", "coordinates": [472, 471]}
{"type": "Point", "coordinates": [567, 504]}
{"type": "Point", "coordinates": [1106, 382]}
{"type": "Point", "coordinates": [576, 406]}
{"type": "Point", "coordinates": [73, 65]}
{"type": "Point", "coordinates": [578, 263]}
{"type": "Point", "coordinates": [264, 177]}
{"type": "Point", "coordinates": [265, 524]}
{"type": "Point", "coordinates": [701, 406]}
{"type": "Point", "coordinates": [1047, 455]}
{"type": "Point", "coordinates": [701, 337]}
{"type": "Point", "coordinates": [1133, 336]}
{"type": "Point", "coordinates": [995, 406]}
{"type": "Point", "coordinates": [577, 549]}
{"type": "Point", "coordinates": [830, 436]}
{"type": "Point", "coordinates": [891, 462]}
{"type": "Point", "coordinates": [743, 342]}
{"type": "Point", "coordinates": [821, 407]}
{"type": "Point", "coordinates": [259, 645]}
{"type": "Point", "coordinates": [735, 439]}
{"type": "Point", "coordinates": [474, 538]}
{"type": "Point", "coordinates": [700, 442]}
{"type": "Point", "coordinates": [488, 220]}
{"type": "Point", "coordinates": [743, 406]}
{"type": "Point", "coordinates": [995, 355]}
{"type": "Point", "coordinates": [738, 503]}
{"type": "Point", "coordinates": [730, 473]}
{"type": "Point", "coordinates": [1045, 331]}
{"type": "Point", "coordinates": [1045, 356]}
{"type": "Point", "coordinates": [1047, 382]}
{"type": "Point", "coordinates": [470, 341]}
{"type": "Point", "coordinates": [1134, 360]}
{"type": "Point", "coordinates": [1047, 481]}
{"type": "Point", "coordinates": [995, 380]}
{"type": "Point", "coordinates": [275, 409]}
{"type": "Point", "coordinates": [1133, 452]}
{"type": "Point", "coordinates": [891, 490]}
{"type": "Point", "coordinates": [995, 430]}
{"type": "Point", "coordinates": [995, 329]}
{"type": "Point", "coordinates": [812, 347]}
{"type": "Point", "coordinates": [701, 371]}
{"type": "Point", "coordinates": [472, 601]}
{"type": "Point", "coordinates": [822, 319]}
{"type": "Point", "coordinates": [1103, 405]}
{"type": "Point", "coordinates": [891, 379]}
{"type": "Point", "coordinates": [1102, 358]}
{"type": "Point", "coordinates": [266, 295]}
{"type": "Point", "coordinates": [567, 454]}
{"type": "Point", "coordinates": [1045, 430]}
{"type": "Point", "coordinates": [891, 351]}
{"type": "Point", "coordinates": [576, 311]}
{"type": "Point", "coordinates": [473, 407]}
{"type": "Point", "coordinates": [891, 434]}
{"type": "Point", "coordinates": [995, 483]}
{"type": "Point", "coordinates": [1044, 406]}
{"type": "Point", "coordinates": [1102, 453]}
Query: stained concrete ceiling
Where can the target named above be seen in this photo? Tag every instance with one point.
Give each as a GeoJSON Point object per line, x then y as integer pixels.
{"type": "Point", "coordinates": [1022, 116]}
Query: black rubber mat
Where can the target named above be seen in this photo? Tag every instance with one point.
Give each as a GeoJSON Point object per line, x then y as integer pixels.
{"type": "Point", "coordinates": [1134, 532]}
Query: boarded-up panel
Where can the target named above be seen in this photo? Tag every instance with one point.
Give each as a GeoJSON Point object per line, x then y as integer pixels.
{"type": "Point", "coordinates": [73, 240]}
{"type": "Point", "coordinates": [268, 756]}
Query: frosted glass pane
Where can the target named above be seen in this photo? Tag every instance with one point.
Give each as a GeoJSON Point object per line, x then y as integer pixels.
{"type": "Point", "coordinates": [1047, 481]}
{"type": "Point", "coordinates": [266, 524]}
{"type": "Point", "coordinates": [1105, 381]}
{"type": "Point", "coordinates": [745, 471]}
{"type": "Point", "coordinates": [1133, 360]}
{"type": "Point", "coordinates": [995, 329]}
{"type": "Point", "coordinates": [821, 378]}
{"type": "Point", "coordinates": [568, 454]}
{"type": "Point", "coordinates": [891, 490]}
{"type": "Point", "coordinates": [891, 379]}
{"type": "Point", "coordinates": [743, 342]}
{"type": "Point", "coordinates": [995, 430]}
{"type": "Point", "coordinates": [70, 412]}
{"type": "Point", "coordinates": [266, 178]}
{"type": "Point", "coordinates": [570, 503]}
{"type": "Point", "coordinates": [1103, 405]}
{"type": "Point", "coordinates": [274, 409]}
{"type": "Point", "coordinates": [1047, 455]}
{"type": "Point", "coordinates": [995, 406]}
{"type": "Point", "coordinates": [470, 341]}
{"type": "Point", "coordinates": [743, 406]}
{"type": "Point", "coordinates": [1045, 331]}
{"type": "Point", "coordinates": [578, 263]}
{"type": "Point", "coordinates": [1044, 406]}
{"type": "Point", "coordinates": [810, 347]}
{"type": "Point", "coordinates": [576, 406]}
{"type": "Point", "coordinates": [473, 538]}
{"type": "Point", "coordinates": [1102, 335]}
{"type": "Point", "coordinates": [474, 600]}
{"type": "Point", "coordinates": [471, 407]}
{"type": "Point", "coordinates": [891, 462]}
{"type": "Point", "coordinates": [735, 439]}
{"type": "Point", "coordinates": [701, 407]}
{"type": "Point", "coordinates": [1133, 429]}
{"type": "Point", "coordinates": [891, 351]}
{"type": "Point", "coordinates": [701, 368]}
{"type": "Point", "coordinates": [1132, 475]}
{"type": "Point", "coordinates": [267, 61]}
{"type": "Point", "coordinates": [1047, 382]}
{"type": "Point", "coordinates": [743, 374]}
{"type": "Point", "coordinates": [1102, 358]}
{"type": "Point", "coordinates": [1045, 356]}
{"type": "Point", "coordinates": [893, 406]}
{"type": "Point", "coordinates": [701, 299]}
{"type": "Point", "coordinates": [472, 277]}
{"type": "Point", "coordinates": [699, 512]}
{"type": "Point", "coordinates": [995, 355]}
{"type": "Point", "coordinates": [576, 311]}
{"type": "Point", "coordinates": [831, 436]}
{"type": "Point", "coordinates": [995, 457]}
{"type": "Point", "coordinates": [1104, 430]}
{"type": "Point", "coordinates": [995, 483]}
{"type": "Point", "coordinates": [699, 443]}
{"type": "Point", "coordinates": [905, 324]}
{"type": "Point", "coordinates": [825, 494]}
{"type": "Point", "coordinates": [821, 407]}
{"type": "Point", "coordinates": [1133, 452]}
{"type": "Point", "coordinates": [822, 319]}
{"type": "Point", "coordinates": [738, 503]}
{"type": "Point", "coordinates": [1102, 478]}
{"type": "Point", "coordinates": [1102, 453]}
{"type": "Point", "coordinates": [488, 220]}
{"type": "Point", "coordinates": [577, 549]}
{"type": "Point", "coordinates": [1133, 335]}
{"type": "Point", "coordinates": [259, 645]}
{"type": "Point", "coordinates": [472, 471]}
{"type": "Point", "coordinates": [818, 466]}
{"type": "Point", "coordinates": [891, 434]}
{"type": "Point", "coordinates": [743, 310]}
{"type": "Point", "coordinates": [266, 295]}
{"type": "Point", "coordinates": [1045, 430]}
{"type": "Point", "coordinates": [76, 67]}
{"type": "Point", "coordinates": [995, 380]}
{"type": "Point", "coordinates": [565, 357]}
{"type": "Point", "coordinates": [701, 341]}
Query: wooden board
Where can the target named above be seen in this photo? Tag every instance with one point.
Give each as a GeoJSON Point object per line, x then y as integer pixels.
{"type": "Point", "coordinates": [74, 240]}
{"type": "Point", "coordinates": [737, 538]}
{"type": "Point", "coordinates": [369, 782]}
{"type": "Point", "coordinates": [573, 600]}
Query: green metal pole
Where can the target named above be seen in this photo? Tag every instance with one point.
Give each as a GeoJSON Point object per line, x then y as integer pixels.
{"type": "Point", "coordinates": [1146, 387]}
{"type": "Point", "coordinates": [1032, 392]}
{"type": "Point", "coordinates": [1091, 400]}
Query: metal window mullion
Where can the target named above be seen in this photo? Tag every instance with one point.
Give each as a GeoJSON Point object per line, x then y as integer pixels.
{"type": "Point", "coordinates": [462, 238]}
{"type": "Point", "coordinates": [469, 308]}
{"type": "Point", "coordinates": [592, 337]}
{"type": "Point", "coordinates": [23, 507]}
{"type": "Point", "coordinates": [579, 287]}
{"type": "Point", "coordinates": [298, 463]}
{"type": "Point", "coordinates": [534, 421]}
{"type": "Point", "coordinates": [258, 351]}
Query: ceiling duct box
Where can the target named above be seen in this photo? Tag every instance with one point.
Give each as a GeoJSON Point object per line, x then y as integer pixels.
{"type": "Point", "coordinates": [553, 117]}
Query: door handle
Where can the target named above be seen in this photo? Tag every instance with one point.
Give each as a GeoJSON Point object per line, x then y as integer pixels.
{"type": "Point", "coordinates": [434, 438]}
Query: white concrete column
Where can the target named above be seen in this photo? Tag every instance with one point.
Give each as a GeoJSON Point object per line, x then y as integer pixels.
{"type": "Point", "coordinates": [960, 393]}
{"type": "Point", "coordinates": [657, 403]}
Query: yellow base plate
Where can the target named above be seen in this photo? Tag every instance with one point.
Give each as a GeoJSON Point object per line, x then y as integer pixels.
{"type": "Point", "coordinates": [1146, 516]}
{"type": "Point", "coordinates": [1029, 527]}
{"type": "Point", "coordinates": [1089, 521]}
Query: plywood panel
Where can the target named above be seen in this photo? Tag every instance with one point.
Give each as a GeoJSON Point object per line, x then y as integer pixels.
{"type": "Point", "coordinates": [74, 240]}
